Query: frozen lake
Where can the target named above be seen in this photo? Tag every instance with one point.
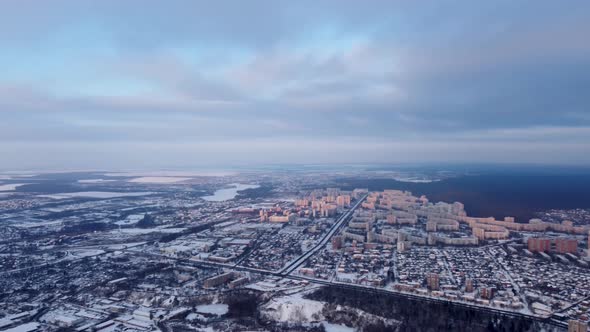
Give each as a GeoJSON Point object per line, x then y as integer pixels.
{"type": "Point", "coordinates": [337, 328]}
{"type": "Point", "coordinates": [214, 309]}
{"type": "Point", "coordinates": [11, 186]}
{"type": "Point", "coordinates": [226, 194]}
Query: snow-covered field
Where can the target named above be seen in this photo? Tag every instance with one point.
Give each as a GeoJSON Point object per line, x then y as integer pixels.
{"type": "Point", "coordinates": [229, 193]}
{"type": "Point", "coordinates": [94, 194]}
{"type": "Point", "coordinates": [141, 231]}
{"type": "Point", "coordinates": [294, 308]}
{"type": "Point", "coordinates": [125, 246]}
{"type": "Point", "coordinates": [95, 181]}
{"type": "Point", "coordinates": [11, 186]}
{"type": "Point", "coordinates": [130, 220]}
{"type": "Point", "coordinates": [16, 175]}
{"type": "Point", "coordinates": [26, 224]}
{"type": "Point", "coordinates": [214, 309]}
{"type": "Point", "coordinates": [24, 328]}
{"type": "Point", "coordinates": [188, 174]}
{"type": "Point", "coordinates": [337, 328]}
{"type": "Point", "coordinates": [158, 179]}
{"type": "Point", "coordinates": [86, 253]}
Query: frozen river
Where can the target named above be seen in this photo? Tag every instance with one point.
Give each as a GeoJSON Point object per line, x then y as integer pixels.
{"type": "Point", "coordinates": [229, 193]}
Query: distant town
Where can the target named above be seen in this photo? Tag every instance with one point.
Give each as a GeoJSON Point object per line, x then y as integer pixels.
{"type": "Point", "coordinates": [137, 252]}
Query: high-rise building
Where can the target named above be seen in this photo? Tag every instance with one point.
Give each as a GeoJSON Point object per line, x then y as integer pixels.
{"type": "Point", "coordinates": [560, 245]}
{"type": "Point", "coordinates": [328, 210]}
{"type": "Point", "coordinates": [431, 226]}
{"type": "Point", "coordinates": [479, 233]}
{"type": "Point", "coordinates": [403, 246]}
{"type": "Point", "coordinates": [539, 244]}
{"type": "Point", "coordinates": [486, 293]}
{"type": "Point", "coordinates": [432, 281]}
{"type": "Point", "coordinates": [343, 200]}
{"type": "Point", "coordinates": [337, 242]}
{"type": "Point", "coordinates": [218, 280]}
{"type": "Point", "coordinates": [263, 215]}
{"type": "Point", "coordinates": [574, 325]}
{"type": "Point", "coordinates": [468, 285]}
{"type": "Point", "coordinates": [302, 202]}
{"type": "Point", "coordinates": [564, 246]}
{"type": "Point", "coordinates": [392, 219]}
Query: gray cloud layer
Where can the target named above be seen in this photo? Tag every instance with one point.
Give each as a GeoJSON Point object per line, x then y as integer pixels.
{"type": "Point", "coordinates": [118, 83]}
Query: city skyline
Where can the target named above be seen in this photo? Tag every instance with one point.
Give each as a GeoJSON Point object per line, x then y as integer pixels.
{"type": "Point", "coordinates": [318, 166]}
{"type": "Point", "coordinates": [110, 84]}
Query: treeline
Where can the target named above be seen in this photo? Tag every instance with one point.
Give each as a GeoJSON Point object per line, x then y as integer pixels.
{"type": "Point", "coordinates": [417, 315]}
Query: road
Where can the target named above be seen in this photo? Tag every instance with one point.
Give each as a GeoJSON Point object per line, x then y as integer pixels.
{"type": "Point", "coordinates": [512, 281]}
{"type": "Point", "coordinates": [363, 288]}
{"type": "Point", "coordinates": [288, 269]}
{"type": "Point", "coordinates": [287, 272]}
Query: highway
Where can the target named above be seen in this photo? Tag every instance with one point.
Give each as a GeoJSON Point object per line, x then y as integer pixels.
{"type": "Point", "coordinates": [287, 272]}
{"type": "Point", "coordinates": [299, 261]}
{"type": "Point", "coordinates": [368, 289]}
{"type": "Point", "coordinates": [363, 288]}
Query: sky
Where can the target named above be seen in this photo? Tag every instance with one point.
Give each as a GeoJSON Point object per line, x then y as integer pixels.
{"type": "Point", "coordinates": [141, 84]}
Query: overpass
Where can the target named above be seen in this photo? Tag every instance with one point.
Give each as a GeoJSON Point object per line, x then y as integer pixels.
{"type": "Point", "coordinates": [287, 272]}
{"type": "Point", "coordinates": [289, 268]}
{"type": "Point", "coordinates": [381, 292]}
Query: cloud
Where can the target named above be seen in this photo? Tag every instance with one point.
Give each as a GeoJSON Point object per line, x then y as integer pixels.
{"type": "Point", "coordinates": [389, 80]}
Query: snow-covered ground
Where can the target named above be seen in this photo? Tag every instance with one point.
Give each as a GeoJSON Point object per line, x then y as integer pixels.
{"type": "Point", "coordinates": [125, 245]}
{"type": "Point", "coordinates": [229, 193]}
{"type": "Point", "coordinates": [26, 224]}
{"type": "Point", "coordinates": [337, 328]}
{"type": "Point", "coordinates": [95, 181]}
{"type": "Point", "coordinates": [158, 179]}
{"type": "Point", "coordinates": [214, 309]}
{"type": "Point", "coordinates": [25, 327]}
{"type": "Point", "coordinates": [130, 220]}
{"type": "Point", "coordinates": [11, 186]}
{"type": "Point", "coordinates": [94, 194]}
{"type": "Point", "coordinates": [86, 253]}
{"type": "Point", "coordinates": [294, 308]}
{"type": "Point", "coordinates": [188, 174]}
{"type": "Point", "coordinates": [141, 231]}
